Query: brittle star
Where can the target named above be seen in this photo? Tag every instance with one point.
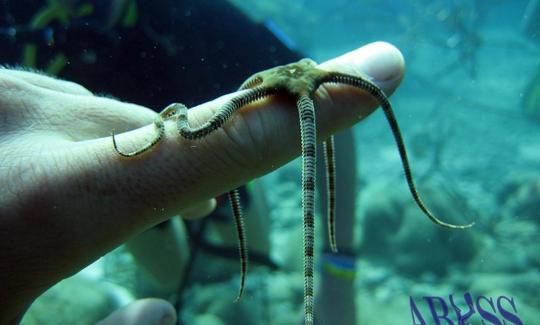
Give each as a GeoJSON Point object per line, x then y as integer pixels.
{"type": "Point", "coordinates": [301, 80]}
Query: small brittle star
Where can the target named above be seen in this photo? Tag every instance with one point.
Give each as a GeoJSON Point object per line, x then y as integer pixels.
{"type": "Point", "coordinates": [300, 80]}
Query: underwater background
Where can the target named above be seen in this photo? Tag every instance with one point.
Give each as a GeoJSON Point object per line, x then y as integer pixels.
{"type": "Point", "coordinates": [469, 111]}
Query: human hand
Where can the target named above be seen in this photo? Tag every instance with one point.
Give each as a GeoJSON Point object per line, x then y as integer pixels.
{"type": "Point", "coordinates": [66, 197]}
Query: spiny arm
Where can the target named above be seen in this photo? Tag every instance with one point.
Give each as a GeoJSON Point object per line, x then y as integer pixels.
{"type": "Point", "coordinates": [377, 93]}
{"type": "Point", "coordinates": [221, 116]}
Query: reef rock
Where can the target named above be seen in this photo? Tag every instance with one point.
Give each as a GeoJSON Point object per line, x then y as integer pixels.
{"type": "Point", "coordinates": [397, 233]}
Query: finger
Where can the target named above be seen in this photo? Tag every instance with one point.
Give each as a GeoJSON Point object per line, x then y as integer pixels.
{"type": "Point", "coordinates": [44, 81]}
{"type": "Point", "coordinates": [199, 210]}
{"type": "Point", "coordinates": [90, 117]}
{"type": "Point", "coordinates": [257, 139]}
{"type": "Point", "coordinates": [380, 62]}
{"type": "Point", "coordinates": [37, 103]}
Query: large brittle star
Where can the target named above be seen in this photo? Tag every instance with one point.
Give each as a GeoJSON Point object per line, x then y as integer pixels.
{"type": "Point", "coordinates": [300, 79]}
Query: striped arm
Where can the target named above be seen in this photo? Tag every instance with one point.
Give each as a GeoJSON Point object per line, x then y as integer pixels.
{"type": "Point", "coordinates": [160, 127]}
{"type": "Point", "coordinates": [377, 93]}
{"type": "Point", "coordinates": [330, 161]}
{"type": "Point", "coordinates": [308, 136]}
{"type": "Point", "coordinates": [234, 199]}
{"type": "Point", "coordinates": [251, 82]}
{"type": "Point", "coordinates": [221, 116]}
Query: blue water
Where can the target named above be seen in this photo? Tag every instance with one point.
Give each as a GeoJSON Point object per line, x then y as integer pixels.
{"type": "Point", "coordinates": [474, 153]}
{"type": "Point", "coordinates": [460, 107]}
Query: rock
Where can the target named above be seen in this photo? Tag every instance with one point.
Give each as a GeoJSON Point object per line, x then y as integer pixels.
{"type": "Point", "coordinates": [217, 299]}
{"type": "Point", "coordinates": [207, 319]}
{"type": "Point", "coordinates": [76, 300]}
{"type": "Point", "coordinates": [396, 232]}
{"type": "Point", "coordinates": [519, 198]}
{"type": "Point", "coordinates": [511, 246]}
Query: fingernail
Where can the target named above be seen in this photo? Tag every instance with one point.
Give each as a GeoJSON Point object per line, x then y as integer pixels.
{"type": "Point", "coordinates": [383, 62]}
